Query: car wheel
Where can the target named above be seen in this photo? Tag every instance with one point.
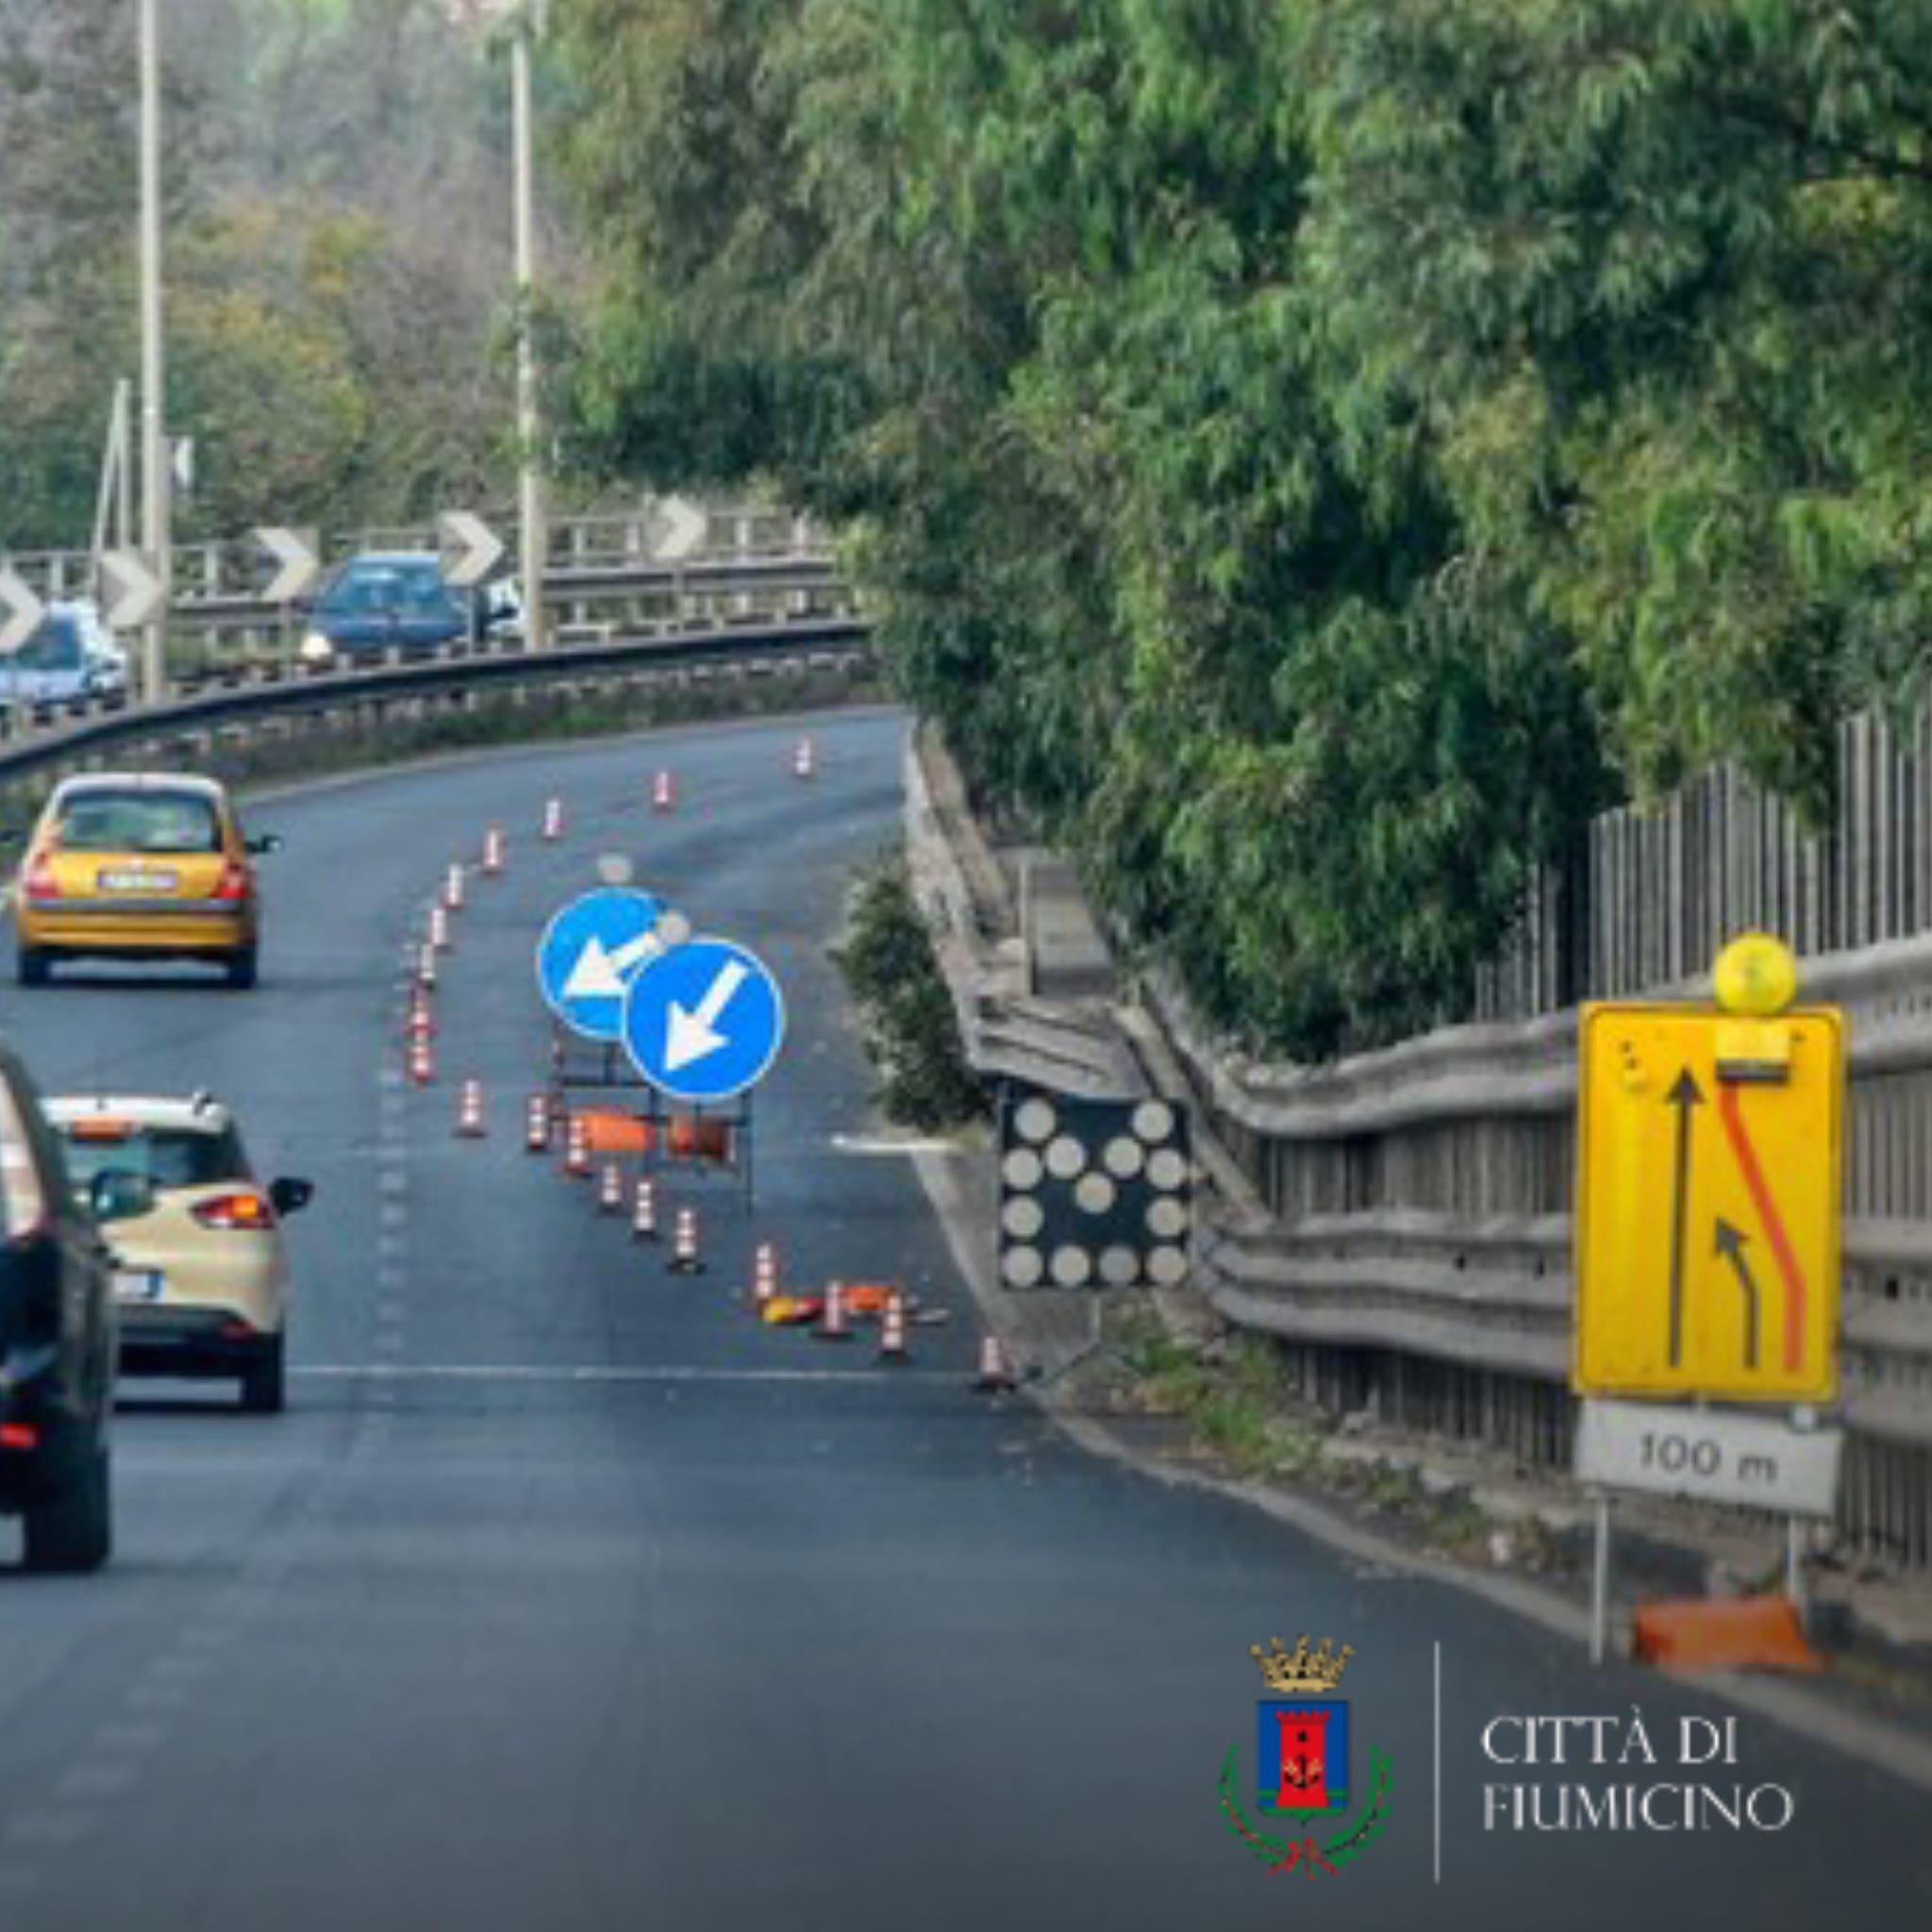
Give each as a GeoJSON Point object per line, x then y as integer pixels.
{"type": "Point", "coordinates": [73, 1531]}
{"type": "Point", "coordinates": [32, 966]}
{"type": "Point", "coordinates": [265, 1384]}
{"type": "Point", "coordinates": [242, 970]}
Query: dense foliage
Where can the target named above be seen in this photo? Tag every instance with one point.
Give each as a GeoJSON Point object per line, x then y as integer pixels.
{"type": "Point", "coordinates": [338, 242]}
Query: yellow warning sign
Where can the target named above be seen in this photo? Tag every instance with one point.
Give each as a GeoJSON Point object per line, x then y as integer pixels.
{"type": "Point", "coordinates": [1707, 1203]}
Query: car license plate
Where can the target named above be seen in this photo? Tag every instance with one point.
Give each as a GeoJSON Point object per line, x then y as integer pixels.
{"type": "Point", "coordinates": [139, 881]}
{"type": "Point", "coordinates": [138, 1284]}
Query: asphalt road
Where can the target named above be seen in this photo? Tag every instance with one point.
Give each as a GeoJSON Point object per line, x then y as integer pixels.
{"type": "Point", "coordinates": [567, 1597]}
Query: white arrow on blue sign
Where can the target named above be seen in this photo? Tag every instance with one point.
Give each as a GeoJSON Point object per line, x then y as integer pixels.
{"type": "Point", "coordinates": [590, 953]}
{"type": "Point", "coordinates": [703, 1023]}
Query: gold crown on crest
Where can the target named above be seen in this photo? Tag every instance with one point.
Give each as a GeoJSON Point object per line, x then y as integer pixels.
{"type": "Point", "coordinates": [1302, 1669]}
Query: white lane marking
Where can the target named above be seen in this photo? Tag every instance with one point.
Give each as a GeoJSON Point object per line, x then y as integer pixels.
{"type": "Point", "coordinates": [886, 1143]}
{"type": "Point", "coordinates": [532, 1372]}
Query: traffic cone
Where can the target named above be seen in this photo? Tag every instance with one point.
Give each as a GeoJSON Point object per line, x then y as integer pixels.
{"type": "Point", "coordinates": [469, 1110]}
{"type": "Point", "coordinates": [421, 1062]}
{"type": "Point", "coordinates": [537, 1125]}
{"type": "Point", "coordinates": [438, 929]}
{"type": "Point", "coordinates": [493, 852]}
{"type": "Point", "coordinates": [425, 965]}
{"type": "Point", "coordinates": [553, 820]}
{"type": "Point", "coordinates": [663, 792]}
{"type": "Point", "coordinates": [684, 1244]}
{"type": "Point", "coordinates": [894, 1351]}
{"type": "Point", "coordinates": [643, 1217]}
{"type": "Point", "coordinates": [804, 761]}
{"type": "Point", "coordinates": [611, 1189]}
{"type": "Point", "coordinates": [422, 1020]}
{"type": "Point", "coordinates": [832, 1324]}
{"type": "Point", "coordinates": [764, 1274]}
{"type": "Point", "coordinates": [576, 1150]}
{"type": "Point", "coordinates": [996, 1373]}
{"type": "Point", "coordinates": [453, 890]}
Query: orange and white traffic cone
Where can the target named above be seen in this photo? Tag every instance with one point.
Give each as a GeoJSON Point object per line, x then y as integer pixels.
{"type": "Point", "coordinates": [493, 852]}
{"type": "Point", "coordinates": [422, 1020]}
{"type": "Point", "coordinates": [425, 965]}
{"type": "Point", "coordinates": [421, 1062]}
{"type": "Point", "coordinates": [438, 929]}
{"type": "Point", "coordinates": [644, 1213]}
{"type": "Point", "coordinates": [996, 1373]}
{"type": "Point", "coordinates": [469, 1110]}
{"type": "Point", "coordinates": [553, 820]}
{"type": "Point", "coordinates": [537, 1125]}
{"type": "Point", "coordinates": [576, 1150]}
{"type": "Point", "coordinates": [895, 1350]}
{"type": "Point", "coordinates": [684, 1244]}
{"type": "Point", "coordinates": [764, 1274]}
{"type": "Point", "coordinates": [833, 1325]}
{"type": "Point", "coordinates": [663, 792]}
{"type": "Point", "coordinates": [453, 890]}
{"type": "Point", "coordinates": [611, 1189]}
{"type": "Point", "coordinates": [805, 761]}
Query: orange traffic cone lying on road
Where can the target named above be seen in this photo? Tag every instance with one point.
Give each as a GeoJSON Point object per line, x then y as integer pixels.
{"type": "Point", "coordinates": [764, 1274]}
{"type": "Point", "coordinates": [421, 1062]}
{"type": "Point", "coordinates": [537, 1125]}
{"type": "Point", "coordinates": [469, 1110]}
{"type": "Point", "coordinates": [553, 820]}
{"type": "Point", "coordinates": [684, 1244]}
{"type": "Point", "coordinates": [577, 1149]}
{"type": "Point", "coordinates": [643, 1215]}
{"type": "Point", "coordinates": [663, 792]}
{"type": "Point", "coordinates": [611, 1189]}
{"type": "Point", "coordinates": [493, 852]}
{"type": "Point", "coordinates": [894, 1351]}
{"type": "Point", "coordinates": [453, 890]}
{"type": "Point", "coordinates": [833, 1325]}
{"type": "Point", "coordinates": [996, 1373]}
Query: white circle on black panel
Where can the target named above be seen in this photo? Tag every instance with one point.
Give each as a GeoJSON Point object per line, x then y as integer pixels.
{"type": "Point", "coordinates": [1167, 1219]}
{"type": "Point", "coordinates": [1073, 1267]}
{"type": "Point", "coordinates": [1119, 1266]}
{"type": "Point", "coordinates": [1167, 1169]}
{"type": "Point", "coordinates": [1065, 1157]}
{"type": "Point", "coordinates": [1022, 1217]}
{"type": "Point", "coordinates": [1123, 1159]}
{"type": "Point", "coordinates": [1022, 1267]}
{"type": "Point", "coordinates": [1034, 1119]}
{"type": "Point", "coordinates": [1021, 1168]}
{"type": "Point", "coordinates": [1095, 1193]}
{"type": "Point", "coordinates": [1166, 1266]}
{"type": "Point", "coordinates": [1154, 1121]}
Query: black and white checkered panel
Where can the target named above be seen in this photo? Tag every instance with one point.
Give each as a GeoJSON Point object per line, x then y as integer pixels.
{"type": "Point", "coordinates": [1093, 1193]}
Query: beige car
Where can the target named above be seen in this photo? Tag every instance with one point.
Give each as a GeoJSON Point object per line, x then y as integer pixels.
{"type": "Point", "coordinates": [202, 1269]}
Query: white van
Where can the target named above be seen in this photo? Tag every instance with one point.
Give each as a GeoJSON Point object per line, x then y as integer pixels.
{"type": "Point", "coordinates": [73, 655]}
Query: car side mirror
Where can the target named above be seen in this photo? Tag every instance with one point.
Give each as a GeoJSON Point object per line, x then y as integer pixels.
{"type": "Point", "coordinates": [119, 1193]}
{"type": "Point", "coordinates": [269, 841]}
{"type": "Point", "coordinates": [290, 1195]}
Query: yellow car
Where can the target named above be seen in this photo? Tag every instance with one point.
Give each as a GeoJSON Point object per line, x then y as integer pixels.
{"type": "Point", "coordinates": [149, 866]}
{"type": "Point", "coordinates": [201, 1268]}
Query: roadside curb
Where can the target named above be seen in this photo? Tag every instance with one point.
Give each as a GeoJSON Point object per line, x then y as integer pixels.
{"type": "Point", "coordinates": [1854, 1735]}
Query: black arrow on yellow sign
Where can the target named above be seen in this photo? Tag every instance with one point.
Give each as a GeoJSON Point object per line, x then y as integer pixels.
{"type": "Point", "coordinates": [1685, 1093]}
{"type": "Point", "coordinates": [1730, 1245]}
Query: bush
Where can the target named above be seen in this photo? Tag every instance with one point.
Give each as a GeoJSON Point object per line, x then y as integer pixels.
{"type": "Point", "coordinates": [911, 1033]}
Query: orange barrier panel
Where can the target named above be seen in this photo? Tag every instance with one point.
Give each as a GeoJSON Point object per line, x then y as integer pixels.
{"type": "Point", "coordinates": [1724, 1634]}
{"type": "Point", "coordinates": [698, 1140]}
{"type": "Point", "coordinates": [607, 1131]}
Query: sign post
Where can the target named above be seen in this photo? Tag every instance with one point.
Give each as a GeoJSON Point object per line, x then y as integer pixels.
{"type": "Point", "coordinates": [1709, 1161]}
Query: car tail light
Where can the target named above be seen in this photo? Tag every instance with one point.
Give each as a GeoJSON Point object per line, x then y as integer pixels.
{"type": "Point", "coordinates": [234, 881]}
{"type": "Point", "coordinates": [40, 882]}
{"type": "Point", "coordinates": [19, 1436]}
{"type": "Point", "coordinates": [249, 1212]}
{"type": "Point", "coordinates": [239, 1330]}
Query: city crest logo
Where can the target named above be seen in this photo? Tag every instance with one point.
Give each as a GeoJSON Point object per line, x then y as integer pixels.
{"type": "Point", "coordinates": [1302, 1766]}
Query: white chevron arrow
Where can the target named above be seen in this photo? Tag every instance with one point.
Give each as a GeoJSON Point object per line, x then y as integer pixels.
{"type": "Point", "coordinates": [131, 590]}
{"type": "Point", "coordinates": [688, 527]}
{"type": "Point", "coordinates": [21, 612]}
{"type": "Point", "coordinates": [296, 565]}
{"type": "Point", "coordinates": [471, 549]}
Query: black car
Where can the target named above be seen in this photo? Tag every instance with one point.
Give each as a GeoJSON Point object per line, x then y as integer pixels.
{"type": "Point", "coordinates": [57, 1342]}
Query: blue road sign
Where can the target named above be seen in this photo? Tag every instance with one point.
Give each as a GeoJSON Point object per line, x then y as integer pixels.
{"type": "Point", "coordinates": [705, 1022]}
{"type": "Point", "coordinates": [591, 952]}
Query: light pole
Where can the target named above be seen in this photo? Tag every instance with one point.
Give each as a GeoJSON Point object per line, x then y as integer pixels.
{"type": "Point", "coordinates": [534, 509]}
{"type": "Point", "coordinates": [154, 440]}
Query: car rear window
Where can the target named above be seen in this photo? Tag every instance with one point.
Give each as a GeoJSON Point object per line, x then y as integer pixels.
{"type": "Point", "coordinates": [100, 820]}
{"type": "Point", "coordinates": [169, 1156]}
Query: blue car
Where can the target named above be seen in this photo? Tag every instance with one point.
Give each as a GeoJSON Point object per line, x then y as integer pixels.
{"type": "Point", "coordinates": [397, 599]}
